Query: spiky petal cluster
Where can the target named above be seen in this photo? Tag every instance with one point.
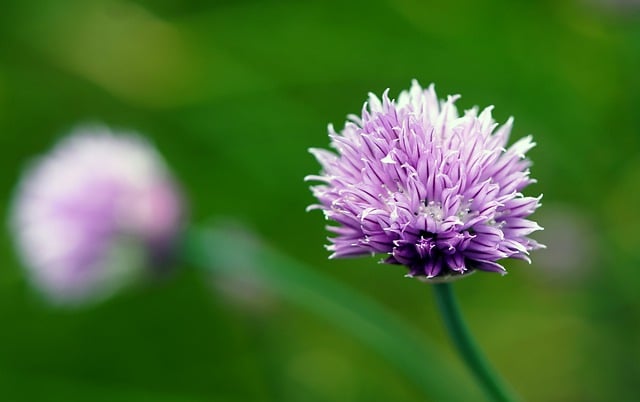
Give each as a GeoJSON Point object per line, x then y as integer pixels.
{"type": "Point", "coordinates": [436, 192]}
{"type": "Point", "coordinates": [94, 212]}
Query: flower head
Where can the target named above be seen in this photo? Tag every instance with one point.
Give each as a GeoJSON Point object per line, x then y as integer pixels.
{"type": "Point", "coordinates": [434, 191]}
{"type": "Point", "coordinates": [92, 213]}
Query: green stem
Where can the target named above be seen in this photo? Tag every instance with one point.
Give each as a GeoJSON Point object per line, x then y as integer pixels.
{"type": "Point", "coordinates": [468, 349]}
{"type": "Point", "coordinates": [226, 251]}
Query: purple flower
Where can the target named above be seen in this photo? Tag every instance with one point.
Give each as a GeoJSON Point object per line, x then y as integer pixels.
{"type": "Point", "coordinates": [94, 213]}
{"type": "Point", "coordinates": [433, 191]}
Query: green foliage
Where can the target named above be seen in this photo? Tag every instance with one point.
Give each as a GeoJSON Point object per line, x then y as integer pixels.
{"type": "Point", "coordinates": [233, 93]}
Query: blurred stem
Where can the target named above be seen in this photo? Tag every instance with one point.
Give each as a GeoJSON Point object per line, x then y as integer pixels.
{"type": "Point", "coordinates": [468, 349]}
{"type": "Point", "coordinates": [225, 251]}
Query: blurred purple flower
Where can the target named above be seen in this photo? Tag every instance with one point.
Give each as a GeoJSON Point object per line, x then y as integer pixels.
{"type": "Point", "coordinates": [94, 213]}
{"type": "Point", "coordinates": [436, 192]}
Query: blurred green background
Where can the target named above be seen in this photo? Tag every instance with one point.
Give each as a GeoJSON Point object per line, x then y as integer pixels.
{"type": "Point", "coordinates": [233, 93]}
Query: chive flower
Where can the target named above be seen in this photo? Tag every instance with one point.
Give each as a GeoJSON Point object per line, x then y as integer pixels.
{"type": "Point", "coordinates": [93, 214]}
{"type": "Point", "coordinates": [436, 192]}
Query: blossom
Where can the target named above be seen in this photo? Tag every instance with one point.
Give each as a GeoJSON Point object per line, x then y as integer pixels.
{"type": "Point", "coordinates": [436, 192]}
{"type": "Point", "coordinates": [93, 213]}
